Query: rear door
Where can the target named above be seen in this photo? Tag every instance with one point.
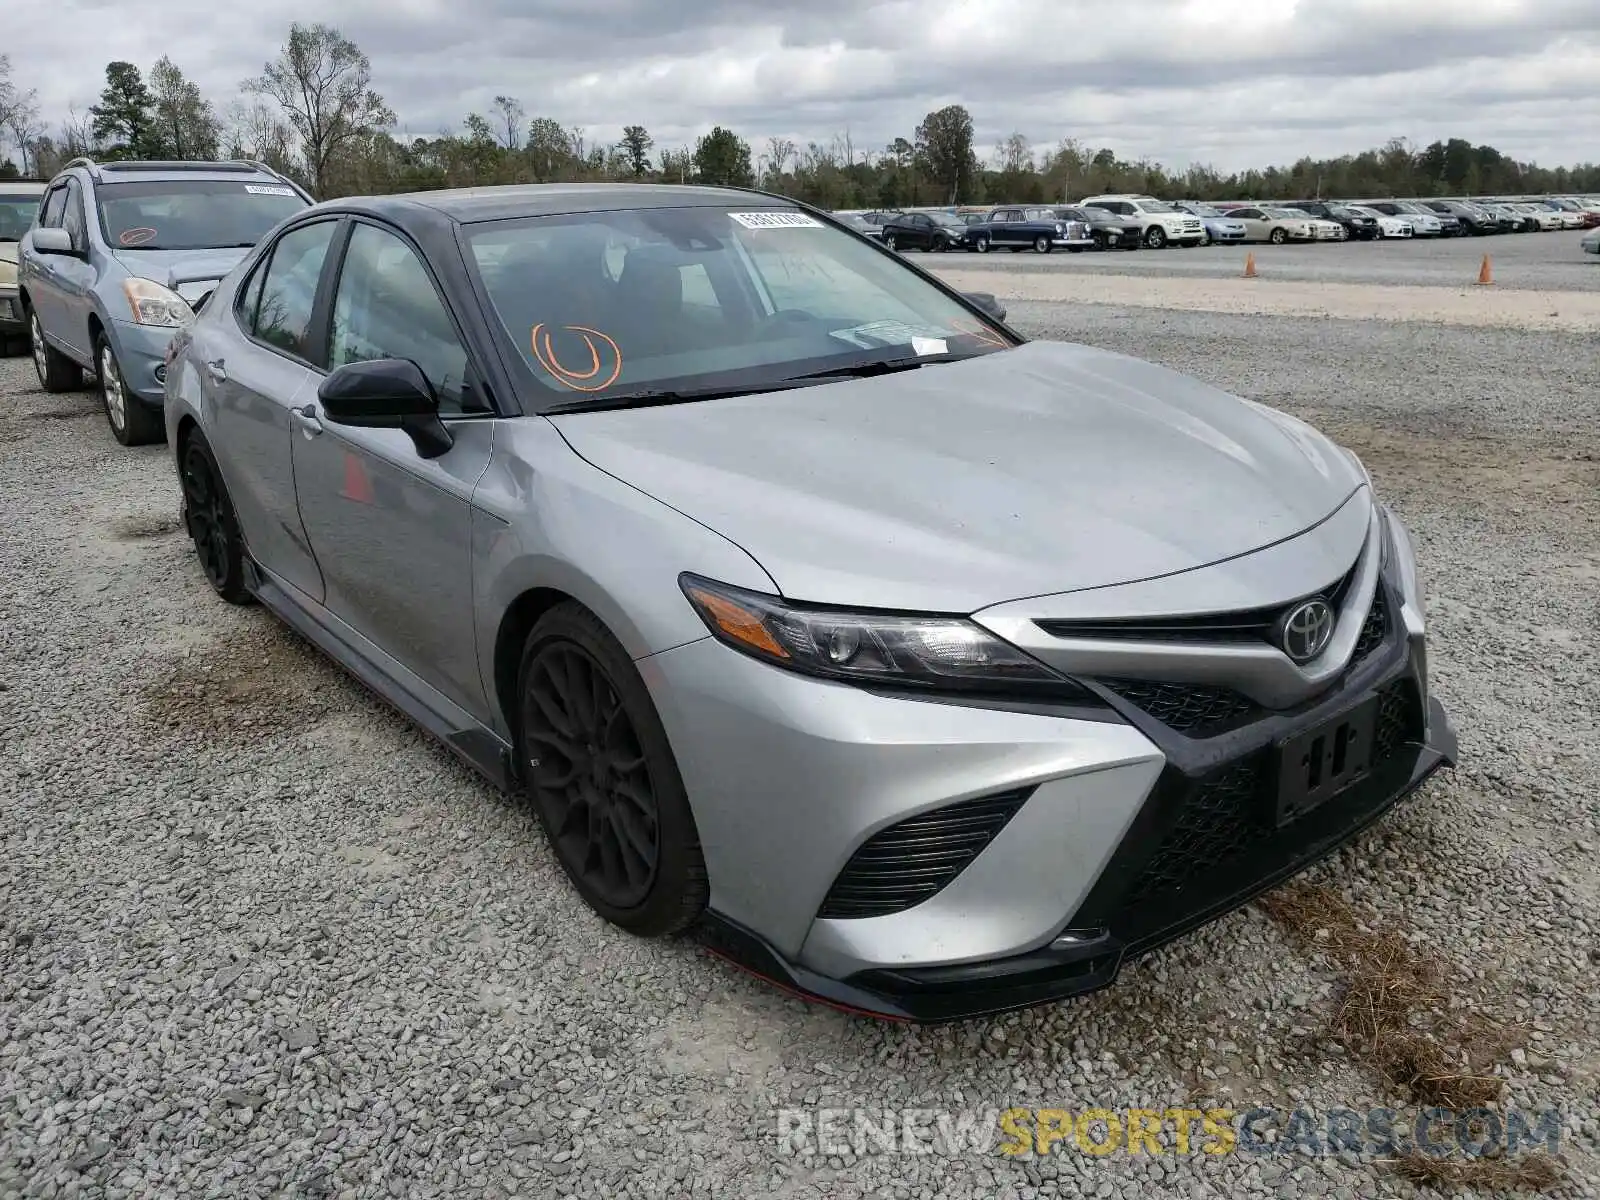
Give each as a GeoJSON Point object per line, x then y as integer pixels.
{"type": "Point", "coordinates": [391, 530]}
{"type": "Point", "coordinates": [257, 364]}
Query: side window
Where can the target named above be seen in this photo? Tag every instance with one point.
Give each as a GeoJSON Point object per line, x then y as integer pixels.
{"type": "Point", "coordinates": [72, 218]}
{"type": "Point", "coordinates": [289, 288]}
{"type": "Point", "coordinates": [999, 218]}
{"type": "Point", "coordinates": [387, 307]}
{"type": "Point", "coordinates": [248, 300]}
{"type": "Point", "coordinates": [55, 204]}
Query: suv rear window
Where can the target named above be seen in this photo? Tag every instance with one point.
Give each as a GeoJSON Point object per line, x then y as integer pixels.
{"type": "Point", "coordinates": [192, 214]}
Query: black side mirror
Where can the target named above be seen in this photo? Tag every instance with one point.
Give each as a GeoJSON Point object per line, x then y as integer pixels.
{"type": "Point", "coordinates": [989, 304]}
{"type": "Point", "coordinates": [386, 393]}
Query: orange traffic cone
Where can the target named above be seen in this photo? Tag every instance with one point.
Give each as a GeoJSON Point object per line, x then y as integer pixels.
{"type": "Point", "coordinates": [1485, 275]}
{"type": "Point", "coordinates": [1250, 265]}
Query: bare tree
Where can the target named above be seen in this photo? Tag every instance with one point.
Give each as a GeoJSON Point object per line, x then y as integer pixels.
{"type": "Point", "coordinates": [258, 131]}
{"type": "Point", "coordinates": [509, 116]}
{"type": "Point", "coordinates": [23, 124]}
{"type": "Point", "coordinates": [19, 110]}
{"type": "Point", "coordinates": [323, 83]}
{"type": "Point", "coordinates": [779, 151]}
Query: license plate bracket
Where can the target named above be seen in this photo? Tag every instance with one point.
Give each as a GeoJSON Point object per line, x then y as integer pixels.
{"type": "Point", "coordinates": [1316, 765]}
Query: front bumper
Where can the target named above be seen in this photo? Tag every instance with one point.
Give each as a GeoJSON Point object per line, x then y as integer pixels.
{"type": "Point", "coordinates": [141, 352]}
{"type": "Point", "coordinates": [12, 321]}
{"type": "Point", "coordinates": [1127, 833]}
{"type": "Point", "coordinates": [1070, 242]}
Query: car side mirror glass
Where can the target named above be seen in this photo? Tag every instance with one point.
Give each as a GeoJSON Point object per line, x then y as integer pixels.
{"type": "Point", "coordinates": [386, 393]}
{"type": "Point", "coordinates": [53, 240]}
{"type": "Point", "coordinates": [989, 303]}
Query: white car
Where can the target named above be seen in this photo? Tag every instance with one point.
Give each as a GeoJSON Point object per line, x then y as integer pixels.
{"type": "Point", "coordinates": [1322, 230]}
{"type": "Point", "coordinates": [1571, 218]}
{"type": "Point", "coordinates": [1548, 218]}
{"type": "Point", "coordinates": [1388, 227]}
{"type": "Point", "coordinates": [1591, 241]}
{"type": "Point", "coordinates": [1423, 223]}
{"type": "Point", "coordinates": [1162, 224]}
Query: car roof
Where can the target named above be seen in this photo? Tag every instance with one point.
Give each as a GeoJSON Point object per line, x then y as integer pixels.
{"type": "Point", "coordinates": [470, 205]}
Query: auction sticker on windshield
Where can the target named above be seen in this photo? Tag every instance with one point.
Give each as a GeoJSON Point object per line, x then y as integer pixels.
{"type": "Point", "coordinates": [921, 338]}
{"type": "Point", "coordinates": [776, 220]}
{"type": "Point", "coordinates": [261, 189]}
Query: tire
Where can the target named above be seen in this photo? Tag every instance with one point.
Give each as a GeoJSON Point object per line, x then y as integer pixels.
{"type": "Point", "coordinates": [132, 422]}
{"type": "Point", "coordinates": [583, 712]}
{"type": "Point", "coordinates": [212, 524]}
{"type": "Point", "coordinates": [57, 372]}
{"type": "Point", "coordinates": [1155, 237]}
{"type": "Point", "coordinates": [981, 244]}
{"type": "Point", "coordinates": [1278, 237]}
{"type": "Point", "coordinates": [888, 241]}
{"type": "Point", "coordinates": [1041, 245]}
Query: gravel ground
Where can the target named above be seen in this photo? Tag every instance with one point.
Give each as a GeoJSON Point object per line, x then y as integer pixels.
{"type": "Point", "coordinates": [1525, 260]}
{"type": "Point", "coordinates": [260, 938]}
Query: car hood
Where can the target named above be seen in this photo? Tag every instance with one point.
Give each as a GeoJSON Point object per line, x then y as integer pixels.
{"type": "Point", "coordinates": [1047, 468]}
{"type": "Point", "coordinates": [190, 273]}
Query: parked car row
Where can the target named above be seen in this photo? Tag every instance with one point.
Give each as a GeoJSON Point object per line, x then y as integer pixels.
{"type": "Point", "coordinates": [767, 605]}
{"type": "Point", "coordinates": [1129, 222]}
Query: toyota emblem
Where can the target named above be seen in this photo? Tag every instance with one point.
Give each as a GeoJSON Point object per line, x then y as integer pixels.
{"type": "Point", "coordinates": [1305, 630]}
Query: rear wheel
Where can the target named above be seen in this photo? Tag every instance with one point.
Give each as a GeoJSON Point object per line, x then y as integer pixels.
{"type": "Point", "coordinates": [888, 241]}
{"type": "Point", "coordinates": [57, 372]}
{"type": "Point", "coordinates": [603, 779]}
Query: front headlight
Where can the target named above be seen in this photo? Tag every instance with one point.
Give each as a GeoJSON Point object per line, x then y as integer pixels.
{"type": "Point", "coordinates": [925, 652]}
{"type": "Point", "coordinates": [153, 304]}
{"type": "Point", "coordinates": [1407, 572]}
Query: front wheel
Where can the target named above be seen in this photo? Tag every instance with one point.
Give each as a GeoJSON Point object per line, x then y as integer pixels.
{"type": "Point", "coordinates": [980, 244]}
{"type": "Point", "coordinates": [1155, 237]}
{"type": "Point", "coordinates": [132, 422]}
{"type": "Point", "coordinates": [214, 528]}
{"type": "Point", "coordinates": [603, 779]}
{"type": "Point", "coordinates": [1041, 245]}
{"type": "Point", "coordinates": [1278, 237]}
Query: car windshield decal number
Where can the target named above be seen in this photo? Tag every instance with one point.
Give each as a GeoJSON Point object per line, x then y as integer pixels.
{"type": "Point", "coordinates": [890, 333]}
{"type": "Point", "coordinates": [261, 189]}
{"type": "Point", "coordinates": [776, 220]}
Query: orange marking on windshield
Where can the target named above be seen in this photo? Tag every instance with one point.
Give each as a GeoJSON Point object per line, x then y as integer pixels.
{"type": "Point", "coordinates": [544, 353]}
{"type": "Point", "coordinates": [984, 334]}
{"type": "Point", "coordinates": [138, 236]}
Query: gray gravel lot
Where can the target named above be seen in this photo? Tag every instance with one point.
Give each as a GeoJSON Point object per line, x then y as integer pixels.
{"type": "Point", "coordinates": [1551, 260]}
{"type": "Point", "coordinates": [258, 937]}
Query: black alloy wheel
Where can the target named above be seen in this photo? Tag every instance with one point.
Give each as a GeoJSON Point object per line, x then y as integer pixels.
{"type": "Point", "coordinates": [208, 514]}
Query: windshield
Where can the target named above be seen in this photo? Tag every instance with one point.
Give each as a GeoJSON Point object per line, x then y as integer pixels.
{"type": "Point", "coordinates": [16, 215]}
{"type": "Point", "coordinates": [192, 214]}
{"type": "Point", "coordinates": [1155, 206]}
{"type": "Point", "coordinates": [600, 304]}
{"type": "Point", "coordinates": [1205, 210]}
{"type": "Point", "coordinates": [1286, 214]}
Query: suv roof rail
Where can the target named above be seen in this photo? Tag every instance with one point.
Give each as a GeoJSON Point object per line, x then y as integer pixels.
{"type": "Point", "coordinates": [152, 164]}
{"type": "Point", "coordinates": [83, 160]}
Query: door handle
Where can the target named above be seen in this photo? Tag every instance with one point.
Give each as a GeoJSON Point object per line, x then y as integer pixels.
{"type": "Point", "coordinates": [217, 371]}
{"type": "Point", "coordinates": [306, 418]}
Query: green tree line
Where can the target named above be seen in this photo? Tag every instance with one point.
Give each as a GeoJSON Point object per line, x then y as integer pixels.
{"type": "Point", "coordinates": [313, 113]}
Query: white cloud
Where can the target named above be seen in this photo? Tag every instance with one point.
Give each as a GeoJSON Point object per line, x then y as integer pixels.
{"type": "Point", "coordinates": [1178, 81]}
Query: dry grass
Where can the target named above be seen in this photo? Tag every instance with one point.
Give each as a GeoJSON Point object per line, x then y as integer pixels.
{"type": "Point", "coordinates": [1500, 1176]}
{"type": "Point", "coordinates": [1396, 1016]}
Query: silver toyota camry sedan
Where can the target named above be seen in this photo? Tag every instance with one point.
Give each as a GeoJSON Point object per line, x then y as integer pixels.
{"type": "Point", "coordinates": [919, 668]}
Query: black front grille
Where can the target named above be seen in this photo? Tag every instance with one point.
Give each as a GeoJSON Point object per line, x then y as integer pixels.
{"type": "Point", "coordinates": [1241, 626]}
{"type": "Point", "coordinates": [1373, 628]}
{"type": "Point", "coordinates": [1208, 827]}
{"type": "Point", "coordinates": [905, 864]}
{"type": "Point", "coordinates": [1193, 709]}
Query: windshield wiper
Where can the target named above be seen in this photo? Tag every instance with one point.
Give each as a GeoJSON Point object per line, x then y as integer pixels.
{"type": "Point", "coordinates": [651, 397]}
{"type": "Point", "coordinates": [878, 366]}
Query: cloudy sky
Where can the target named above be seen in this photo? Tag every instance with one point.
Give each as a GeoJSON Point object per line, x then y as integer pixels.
{"type": "Point", "coordinates": [1233, 83]}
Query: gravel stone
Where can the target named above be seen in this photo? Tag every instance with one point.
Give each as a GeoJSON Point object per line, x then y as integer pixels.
{"type": "Point", "coordinates": [260, 937]}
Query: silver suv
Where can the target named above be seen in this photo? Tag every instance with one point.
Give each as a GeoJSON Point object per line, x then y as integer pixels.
{"type": "Point", "coordinates": [120, 257]}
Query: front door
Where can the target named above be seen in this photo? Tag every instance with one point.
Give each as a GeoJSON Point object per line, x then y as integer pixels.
{"type": "Point", "coordinates": [254, 382]}
{"type": "Point", "coordinates": [391, 530]}
{"type": "Point", "coordinates": [44, 282]}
